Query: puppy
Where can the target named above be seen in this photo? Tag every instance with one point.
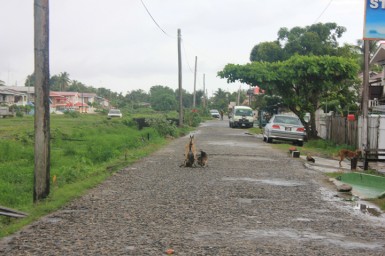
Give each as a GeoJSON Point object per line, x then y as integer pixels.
{"type": "Point", "coordinates": [344, 153]}
{"type": "Point", "coordinates": [202, 159]}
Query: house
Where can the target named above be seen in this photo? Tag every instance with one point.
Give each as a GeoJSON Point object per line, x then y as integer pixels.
{"type": "Point", "coordinates": [75, 101]}
{"type": "Point", "coordinates": [377, 82]}
{"type": "Point", "coordinates": [59, 101]}
{"type": "Point", "coordinates": [10, 96]}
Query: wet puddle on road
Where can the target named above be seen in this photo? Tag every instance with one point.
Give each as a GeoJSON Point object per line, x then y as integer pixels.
{"type": "Point", "coordinates": [232, 144]}
{"type": "Point", "coordinates": [289, 234]}
{"type": "Point", "coordinates": [274, 182]}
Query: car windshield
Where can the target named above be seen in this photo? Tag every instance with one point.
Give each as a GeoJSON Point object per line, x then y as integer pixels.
{"type": "Point", "coordinates": [214, 111]}
{"type": "Point", "coordinates": [114, 111]}
{"type": "Point", "coordinates": [244, 112]}
{"type": "Point", "coordinates": [287, 120]}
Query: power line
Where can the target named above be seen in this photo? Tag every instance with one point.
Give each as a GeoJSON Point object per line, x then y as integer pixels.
{"type": "Point", "coordinates": [154, 20]}
{"type": "Point", "coordinates": [322, 13]}
{"type": "Point", "coordinates": [185, 54]}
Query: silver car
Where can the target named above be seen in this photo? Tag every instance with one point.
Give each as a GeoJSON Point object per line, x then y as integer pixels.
{"type": "Point", "coordinates": [114, 113]}
{"type": "Point", "coordinates": [284, 127]}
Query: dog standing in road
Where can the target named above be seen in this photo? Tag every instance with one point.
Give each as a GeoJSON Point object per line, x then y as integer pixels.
{"type": "Point", "coordinates": [344, 153]}
{"type": "Point", "coordinates": [190, 153]}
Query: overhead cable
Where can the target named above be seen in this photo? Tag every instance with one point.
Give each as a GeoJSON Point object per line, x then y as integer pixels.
{"type": "Point", "coordinates": [156, 23]}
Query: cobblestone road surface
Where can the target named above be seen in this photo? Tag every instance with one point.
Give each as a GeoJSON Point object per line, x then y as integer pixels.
{"type": "Point", "coordinates": [250, 200]}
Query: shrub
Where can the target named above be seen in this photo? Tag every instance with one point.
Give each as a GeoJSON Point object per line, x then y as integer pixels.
{"type": "Point", "coordinates": [73, 114]}
{"type": "Point", "coordinates": [163, 127]}
{"type": "Point", "coordinates": [192, 118]}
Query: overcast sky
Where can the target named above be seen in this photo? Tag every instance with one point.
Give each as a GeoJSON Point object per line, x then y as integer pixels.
{"type": "Point", "coordinates": [115, 44]}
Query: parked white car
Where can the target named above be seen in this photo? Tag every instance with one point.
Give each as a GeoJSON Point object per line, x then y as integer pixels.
{"type": "Point", "coordinates": [114, 113]}
{"type": "Point", "coordinates": [284, 127]}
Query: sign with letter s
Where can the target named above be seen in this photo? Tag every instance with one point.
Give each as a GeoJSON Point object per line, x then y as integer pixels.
{"type": "Point", "coordinates": [374, 22]}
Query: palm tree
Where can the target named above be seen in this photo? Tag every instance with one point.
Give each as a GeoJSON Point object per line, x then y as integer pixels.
{"type": "Point", "coordinates": [2, 83]}
{"type": "Point", "coordinates": [63, 80]}
{"type": "Point", "coordinates": [373, 46]}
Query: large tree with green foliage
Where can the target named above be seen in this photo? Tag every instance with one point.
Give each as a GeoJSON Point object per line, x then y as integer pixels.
{"type": "Point", "coordinates": [317, 39]}
{"type": "Point", "coordinates": [301, 81]}
{"type": "Point", "coordinates": [163, 98]}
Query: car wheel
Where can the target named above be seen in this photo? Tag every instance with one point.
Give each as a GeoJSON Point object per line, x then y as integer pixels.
{"type": "Point", "coordinates": [264, 138]}
{"type": "Point", "coordinates": [269, 140]}
{"type": "Point", "coordinates": [300, 143]}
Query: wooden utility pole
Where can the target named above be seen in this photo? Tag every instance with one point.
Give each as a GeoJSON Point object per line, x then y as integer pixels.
{"type": "Point", "coordinates": [365, 97]}
{"type": "Point", "coordinates": [180, 79]}
{"type": "Point", "coordinates": [195, 82]}
{"type": "Point", "coordinates": [204, 91]}
{"type": "Point", "coordinates": [42, 119]}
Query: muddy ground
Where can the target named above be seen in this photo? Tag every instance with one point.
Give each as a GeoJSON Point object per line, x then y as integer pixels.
{"type": "Point", "coordinates": [250, 200]}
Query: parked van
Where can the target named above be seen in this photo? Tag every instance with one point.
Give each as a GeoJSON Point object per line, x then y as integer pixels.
{"type": "Point", "coordinates": [241, 116]}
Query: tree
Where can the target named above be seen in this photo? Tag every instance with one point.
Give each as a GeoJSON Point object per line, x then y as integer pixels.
{"type": "Point", "coordinates": [2, 83]}
{"type": "Point", "coordinates": [30, 81]}
{"type": "Point", "coordinates": [60, 82]}
{"type": "Point", "coordinates": [76, 86]}
{"type": "Point", "coordinates": [317, 39]}
{"type": "Point", "coordinates": [64, 80]}
{"type": "Point", "coordinates": [220, 100]}
{"type": "Point", "coordinates": [267, 51]}
{"type": "Point", "coordinates": [373, 45]}
{"type": "Point", "coordinates": [301, 81]}
{"type": "Point", "coordinates": [186, 96]}
{"type": "Point", "coordinates": [163, 98]}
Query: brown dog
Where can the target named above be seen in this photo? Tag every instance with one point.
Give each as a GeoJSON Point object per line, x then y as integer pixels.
{"type": "Point", "coordinates": [190, 153]}
{"type": "Point", "coordinates": [344, 153]}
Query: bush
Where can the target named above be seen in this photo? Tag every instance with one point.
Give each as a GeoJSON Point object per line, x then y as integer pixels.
{"type": "Point", "coordinates": [192, 118]}
{"type": "Point", "coordinates": [73, 114]}
{"type": "Point", "coordinates": [163, 127]}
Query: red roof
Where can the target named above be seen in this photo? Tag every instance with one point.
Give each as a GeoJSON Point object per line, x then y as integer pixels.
{"type": "Point", "coordinates": [79, 104]}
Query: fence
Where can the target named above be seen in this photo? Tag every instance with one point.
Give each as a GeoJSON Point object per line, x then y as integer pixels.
{"type": "Point", "coordinates": [342, 131]}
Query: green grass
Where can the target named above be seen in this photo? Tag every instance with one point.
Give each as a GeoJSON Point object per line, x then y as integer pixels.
{"type": "Point", "coordinates": [84, 151]}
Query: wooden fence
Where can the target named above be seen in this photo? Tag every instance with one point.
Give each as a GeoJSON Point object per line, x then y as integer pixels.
{"type": "Point", "coordinates": [341, 131]}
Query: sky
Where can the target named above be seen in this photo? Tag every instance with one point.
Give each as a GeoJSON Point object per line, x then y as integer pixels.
{"type": "Point", "coordinates": [116, 44]}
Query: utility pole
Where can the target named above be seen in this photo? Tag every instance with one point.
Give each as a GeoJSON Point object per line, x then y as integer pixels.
{"type": "Point", "coordinates": [42, 118]}
{"type": "Point", "coordinates": [180, 80]}
{"type": "Point", "coordinates": [365, 97]}
{"type": "Point", "coordinates": [204, 92]}
{"type": "Point", "coordinates": [195, 82]}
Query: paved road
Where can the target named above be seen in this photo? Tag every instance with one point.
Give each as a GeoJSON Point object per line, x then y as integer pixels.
{"type": "Point", "coordinates": [250, 200]}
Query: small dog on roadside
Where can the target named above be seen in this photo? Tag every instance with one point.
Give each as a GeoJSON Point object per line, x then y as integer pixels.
{"type": "Point", "coordinates": [310, 158]}
{"type": "Point", "coordinates": [344, 153]}
{"type": "Point", "coordinates": [202, 159]}
{"type": "Point", "coordinates": [190, 153]}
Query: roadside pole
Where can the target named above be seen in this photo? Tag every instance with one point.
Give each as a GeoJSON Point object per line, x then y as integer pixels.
{"type": "Point", "coordinates": [180, 80]}
{"type": "Point", "coordinates": [365, 95]}
{"type": "Point", "coordinates": [195, 81]}
{"type": "Point", "coordinates": [42, 118]}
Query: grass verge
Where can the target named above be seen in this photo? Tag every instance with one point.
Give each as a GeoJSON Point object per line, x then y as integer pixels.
{"type": "Point", "coordinates": [84, 152]}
